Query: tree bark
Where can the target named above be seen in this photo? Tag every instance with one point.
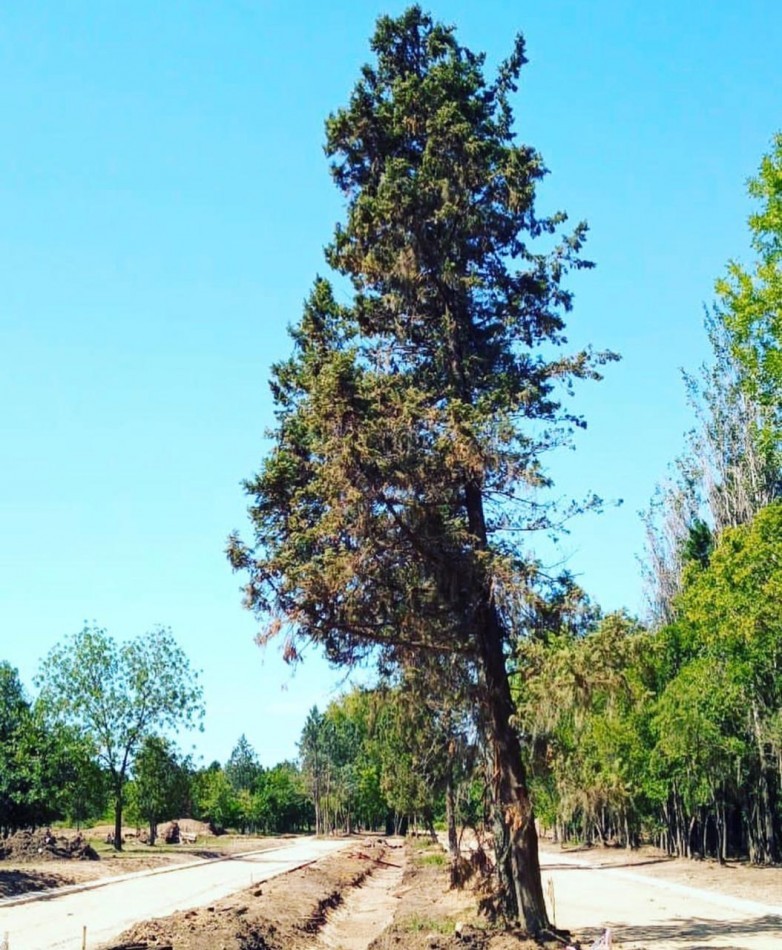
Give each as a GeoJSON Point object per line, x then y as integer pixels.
{"type": "Point", "coordinates": [450, 821]}
{"type": "Point", "coordinates": [118, 818]}
{"type": "Point", "coordinates": [516, 839]}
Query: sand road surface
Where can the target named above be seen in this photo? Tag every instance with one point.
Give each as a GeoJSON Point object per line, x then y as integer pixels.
{"type": "Point", "coordinates": [56, 921]}
{"type": "Point", "coordinates": [646, 902]}
{"type": "Point", "coordinates": [649, 913]}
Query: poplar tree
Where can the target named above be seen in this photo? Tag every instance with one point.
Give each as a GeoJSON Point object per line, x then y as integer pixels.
{"type": "Point", "coordinates": [414, 411]}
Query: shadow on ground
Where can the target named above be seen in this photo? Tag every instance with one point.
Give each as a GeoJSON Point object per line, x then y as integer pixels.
{"type": "Point", "coordinates": [550, 866]}
{"type": "Point", "coordinates": [691, 930]}
{"type": "Point", "coordinates": [19, 882]}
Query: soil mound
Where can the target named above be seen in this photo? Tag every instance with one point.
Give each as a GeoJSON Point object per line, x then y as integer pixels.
{"type": "Point", "coordinates": [186, 830]}
{"type": "Point", "coordinates": [44, 846]}
{"type": "Point", "coordinates": [189, 831]}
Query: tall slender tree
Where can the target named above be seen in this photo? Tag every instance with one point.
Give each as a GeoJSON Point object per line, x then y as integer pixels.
{"type": "Point", "coordinates": [411, 423]}
{"type": "Point", "coordinates": [314, 763]}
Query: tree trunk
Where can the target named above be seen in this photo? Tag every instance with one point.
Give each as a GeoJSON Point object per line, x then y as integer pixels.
{"type": "Point", "coordinates": [152, 831]}
{"type": "Point", "coordinates": [516, 839]}
{"type": "Point", "coordinates": [450, 821]}
{"type": "Point", "coordinates": [766, 804]}
{"type": "Point", "coordinates": [316, 799]}
{"type": "Point", "coordinates": [118, 818]}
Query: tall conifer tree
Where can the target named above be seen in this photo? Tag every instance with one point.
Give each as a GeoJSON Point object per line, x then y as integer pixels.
{"type": "Point", "coordinates": [411, 422]}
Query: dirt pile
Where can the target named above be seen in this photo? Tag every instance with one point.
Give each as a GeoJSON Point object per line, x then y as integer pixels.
{"type": "Point", "coordinates": [190, 830]}
{"type": "Point", "coordinates": [45, 846]}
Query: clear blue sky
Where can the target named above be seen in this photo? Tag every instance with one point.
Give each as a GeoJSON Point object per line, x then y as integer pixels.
{"type": "Point", "coordinates": [164, 199]}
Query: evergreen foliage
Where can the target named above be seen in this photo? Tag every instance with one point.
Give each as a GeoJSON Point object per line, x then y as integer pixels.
{"type": "Point", "coordinates": [412, 421]}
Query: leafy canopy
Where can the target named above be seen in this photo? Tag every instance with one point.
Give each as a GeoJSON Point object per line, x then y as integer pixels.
{"type": "Point", "coordinates": [118, 693]}
{"type": "Point", "coordinates": [751, 298]}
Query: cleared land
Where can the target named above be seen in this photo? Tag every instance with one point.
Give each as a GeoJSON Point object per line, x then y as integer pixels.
{"type": "Point", "coordinates": [654, 903]}
{"type": "Point", "coordinates": [372, 893]}
{"type": "Point", "coordinates": [106, 906]}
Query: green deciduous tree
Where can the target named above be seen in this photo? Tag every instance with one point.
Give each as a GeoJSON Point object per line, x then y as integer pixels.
{"type": "Point", "coordinates": [750, 298]}
{"type": "Point", "coordinates": [732, 465]}
{"type": "Point", "coordinates": [280, 801]}
{"type": "Point", "coordinates": [314, 764]}
{"type": "Point", "coordinates": [216, 800]}
{"type": "Point", "coordinates": [43, 765]}
{"type": "Point", "coordinates": [119, 693]}
{"type": "Point", "coordinates": [161, 780]}
{"type": "Point", "coordinates": [14, 715]}
{"type": "Point", "coordinates": [582, 702]}
{"type": "Point", "coordinates": [729, 614]}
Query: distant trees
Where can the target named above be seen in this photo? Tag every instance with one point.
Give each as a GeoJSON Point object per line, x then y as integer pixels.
{"type": "Point", "coordinates": [340, 776]}
{"type": "Point", "coordinates": [674, 731]}
{"type": "Point", "coordinates": [215, 799]}
{"type": "Point", "coordinates": [750, 298]}
{"type": "Point", "coordinates": [242, 768]}
{"type": "Point", "coordinates": [732, 465]}
{"type": "Point", "coordinates": [729, 637]}
{"type": "Point", "coordinates": [15, 718]}
{"type": "Point", "coordinates": [373, 759]}
{"type": "Point", "coordinates": [45, 767]}
{"type": "Point", "coordinates": [117, 694]}
{"type": "Point", "coordinates": [729, 471]}
{"type": "Point", "coordinates": [280, 801]}
{"type": "Point", "coordinates": [377, 759]}
{"type": "Point", "coordinates": [244, 796]}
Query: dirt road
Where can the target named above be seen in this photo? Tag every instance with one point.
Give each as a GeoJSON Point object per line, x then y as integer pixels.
{"type": "Point", "coordinates": [57, 922]}
{"type": "Point", "coordinates": [648, 912]}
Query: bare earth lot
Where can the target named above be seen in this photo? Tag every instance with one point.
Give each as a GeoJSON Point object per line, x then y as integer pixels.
{"type": "Point", "coordinates": [385, 894]}
{"type": "Point", "coordinates": [28, 862]}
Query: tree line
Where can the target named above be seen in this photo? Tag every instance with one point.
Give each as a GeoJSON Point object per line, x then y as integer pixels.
{"type": "Point", "coordinates": [79, 767]}
{"type": "Point", "coordinates": [369, 761]}
{"type": "Point", "coordinates": [671, 730]}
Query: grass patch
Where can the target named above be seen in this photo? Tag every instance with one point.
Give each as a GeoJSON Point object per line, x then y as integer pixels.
{"type": "Point", "coordinates": [419, 924]}
{"type": "Point", "coordinates": [134, 849]}
{"type": "Point", "coordinates": [438, 859]}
